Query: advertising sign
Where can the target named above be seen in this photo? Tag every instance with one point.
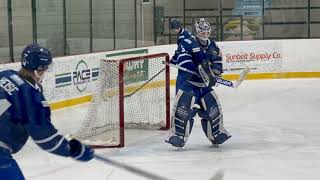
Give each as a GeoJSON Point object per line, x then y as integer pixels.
{"type": "Point", "coordinates": [250, 7]}
{"type": "Point", "coordinates": [136, 71]}
{"type": "Point", "coordinates": [262, 56]}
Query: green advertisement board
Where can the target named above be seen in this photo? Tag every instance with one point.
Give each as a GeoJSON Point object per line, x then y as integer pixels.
{"type": "Point", "coordinates": [134, 71]}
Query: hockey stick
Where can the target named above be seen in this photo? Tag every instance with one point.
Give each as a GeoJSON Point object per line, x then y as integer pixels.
{"type": "Point", "coordinates": [128, 95]}
{"type": "Point", "coordinates": [222, 81]}
{"type": "Point", "coordinates": [129, 168]}
{"type": "Point", "coordinates": [242, 76]}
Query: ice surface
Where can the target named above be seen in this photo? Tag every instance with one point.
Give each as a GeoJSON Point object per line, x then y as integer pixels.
{"type": "Point", "coordinates": [275, 135]}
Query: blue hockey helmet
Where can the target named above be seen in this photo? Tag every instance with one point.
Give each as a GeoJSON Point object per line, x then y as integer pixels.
{"type": "Point", "coordinates": [175, 24]}
{"type": "Point", "coordinates": [35, 57]}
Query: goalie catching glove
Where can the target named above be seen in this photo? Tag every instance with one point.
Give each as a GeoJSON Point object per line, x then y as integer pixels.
{"type": "Point", "coordinates": [208, 73]}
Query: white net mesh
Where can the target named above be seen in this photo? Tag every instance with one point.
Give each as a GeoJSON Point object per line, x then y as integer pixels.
{"type": "Point", "coordinates": [142, 105]}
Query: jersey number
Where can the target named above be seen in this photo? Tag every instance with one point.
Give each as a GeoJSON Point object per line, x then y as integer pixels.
{"type": "Point", "coordinates": [182, 48]}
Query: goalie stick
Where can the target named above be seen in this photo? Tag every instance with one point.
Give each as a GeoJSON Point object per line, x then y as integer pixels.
{"type": "Point", "coordinates": [222, 81]}
{"type": "Point", "coordinates": [132, 169]}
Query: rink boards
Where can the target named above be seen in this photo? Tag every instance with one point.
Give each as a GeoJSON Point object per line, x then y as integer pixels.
{"type": "Point", "coordinates": [72, 79]}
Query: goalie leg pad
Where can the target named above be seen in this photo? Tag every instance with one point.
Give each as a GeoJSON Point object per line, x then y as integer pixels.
{"type": "Point", "coordinates": [178, 140]}
{"type": "Point", "coordinates": [216, 138]}
{"type": "Point", "coordinates": [181, 120]}
{"type": "Point", "coordinates": [212, 122]}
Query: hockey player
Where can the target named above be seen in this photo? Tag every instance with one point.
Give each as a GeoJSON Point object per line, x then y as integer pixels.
{"type": "Point", "coordinates": [194, 93]}
{"type": "Point", "coordinates": [24, 112]}
{"type": "Point", "coordinates": [181, 33]}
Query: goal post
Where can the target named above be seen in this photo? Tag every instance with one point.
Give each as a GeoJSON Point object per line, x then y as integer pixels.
{"type": "Point", "coordinates": [131, 93]}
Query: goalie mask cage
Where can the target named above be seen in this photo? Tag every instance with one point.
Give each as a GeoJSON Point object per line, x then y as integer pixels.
{"type": "Point", "coordinates": [131, 92]}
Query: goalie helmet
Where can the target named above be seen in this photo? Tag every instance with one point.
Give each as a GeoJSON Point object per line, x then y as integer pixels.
{"type": "Point", "coordinates": [202, 29]}
{"type": "Point", "coordinates": [35, 57]}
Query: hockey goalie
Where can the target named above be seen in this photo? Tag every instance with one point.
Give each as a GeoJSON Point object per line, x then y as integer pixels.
{"type": "Point", "coordinates": [194, 94]}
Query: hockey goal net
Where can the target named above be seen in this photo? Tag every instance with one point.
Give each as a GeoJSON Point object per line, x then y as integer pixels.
{"type": "Point", "coordinates": [131, 92]}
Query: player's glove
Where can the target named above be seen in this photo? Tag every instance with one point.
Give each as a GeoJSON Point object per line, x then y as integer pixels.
{"type": "Point", "coordinates": [173, 60]}
{"type": "Point", "coordinates": [80, 151]}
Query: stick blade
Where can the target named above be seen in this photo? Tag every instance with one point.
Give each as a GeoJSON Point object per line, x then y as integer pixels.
{"type": "Point", "coordinates": [243, 76]}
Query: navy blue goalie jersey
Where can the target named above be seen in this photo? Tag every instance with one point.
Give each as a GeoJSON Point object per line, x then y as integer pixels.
{"type": "Point", "coordinates": [189, 55]}
{"type": "Point", "coordinates": [24, 112]}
